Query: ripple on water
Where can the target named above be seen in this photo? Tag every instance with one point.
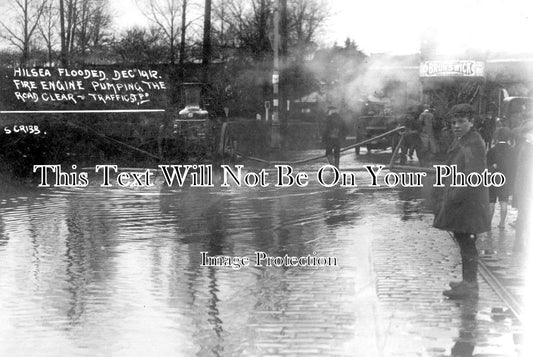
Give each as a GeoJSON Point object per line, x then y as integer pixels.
{"type": "Point", "coordinates": [117, 272]}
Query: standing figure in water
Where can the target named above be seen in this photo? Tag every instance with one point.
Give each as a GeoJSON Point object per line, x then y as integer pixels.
{"type": "Point", "coordinates": [333, 136]}
{"type": "Point", "coordinates": [499, 159]}
{"type": "Point", "coordinates": [465, 210]}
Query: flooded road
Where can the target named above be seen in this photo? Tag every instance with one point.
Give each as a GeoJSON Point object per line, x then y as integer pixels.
{"type": "Point", "coordinates": [117, 272]}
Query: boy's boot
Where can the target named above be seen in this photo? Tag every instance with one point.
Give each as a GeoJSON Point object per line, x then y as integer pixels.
{"type": "Point", "coordinates": [464, 290]}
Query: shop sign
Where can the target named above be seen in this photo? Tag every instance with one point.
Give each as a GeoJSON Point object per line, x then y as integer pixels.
{"type": "Point", "coordinates": [452, 69]}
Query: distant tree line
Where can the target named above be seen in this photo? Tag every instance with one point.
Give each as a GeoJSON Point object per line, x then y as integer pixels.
{"type": "Point", "coordinates": [65, 30]}
{"type": "Point", "coordinates": [77, 32]}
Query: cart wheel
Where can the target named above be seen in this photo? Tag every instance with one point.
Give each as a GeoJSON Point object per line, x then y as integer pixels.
{"type": "Point", "coordinates": [225, 145]}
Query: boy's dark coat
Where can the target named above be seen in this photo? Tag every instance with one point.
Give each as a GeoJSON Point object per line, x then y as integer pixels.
{"type": "Point", "coordinates": [465, 209]}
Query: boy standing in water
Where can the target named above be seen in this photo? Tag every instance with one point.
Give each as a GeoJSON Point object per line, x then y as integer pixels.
{"type": "Point", "coordinates": [465, 210]}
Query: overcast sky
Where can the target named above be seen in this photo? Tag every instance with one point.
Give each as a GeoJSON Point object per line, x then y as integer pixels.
{"type": "Point", "coordinates": [395, 26]}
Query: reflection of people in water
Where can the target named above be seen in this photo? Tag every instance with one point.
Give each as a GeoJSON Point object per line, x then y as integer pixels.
{"type": "Point", "coordinates": [466, 342]}
{"type": "Point", "coordinates": [410, 203]}
{"type": "Point", "coordinates": [198, 216]}
{"type": "Point", "coordinates": [4, 238]}
{"type": "Point", "coordinates": [335, 201]}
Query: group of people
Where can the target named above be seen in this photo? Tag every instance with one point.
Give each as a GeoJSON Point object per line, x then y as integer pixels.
{"type": "Point", "coordinates": [423, 136]}
{"type": "Point", "coordinates": [467, 211]}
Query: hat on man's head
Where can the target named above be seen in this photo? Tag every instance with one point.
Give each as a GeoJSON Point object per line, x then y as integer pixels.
{"type": "Point", "coordinates": [460, 110]}
{"type": "Point", "coordinates": [332, 107]}
{"type": "Point", "coordinates": [503, 134]}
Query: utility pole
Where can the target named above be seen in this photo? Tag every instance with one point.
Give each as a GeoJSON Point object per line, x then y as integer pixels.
{"type": "Point", "coordinates": [206, 48]}
{"type": "Point", "coordinates": [283, 61]}
{"type": "Point", "coordinates": [63, 55]}
{"type": "Point", "coordinates": [181, 62]}
{"type": "Point", "coordinates": [275, 138]}
{"type": "Point", "coordinates": [206, 55]}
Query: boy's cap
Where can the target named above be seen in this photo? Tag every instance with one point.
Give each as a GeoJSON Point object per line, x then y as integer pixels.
{"type": "Point", "coordinates": [460, 110]}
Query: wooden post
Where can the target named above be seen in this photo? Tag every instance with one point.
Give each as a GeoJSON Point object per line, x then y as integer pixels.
{"type": "Point", "coordinates": [275, 138]}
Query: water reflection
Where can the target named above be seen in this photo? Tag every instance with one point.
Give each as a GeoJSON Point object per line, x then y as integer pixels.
{"type": "Point", "coordinates": [117, 272]}
{"type": "Point", "coordinates": [216, 242]}
{"type": "Point", "coordinates": [336, 201]}
{"type": "Point", "coordinates": [411, 203]}
{"type": "Point", "coordinates": [3, 236]}
{"type": "Point", "coordinates": [468, 334]}
{"type": "Point", "coordinates": [86, 252]}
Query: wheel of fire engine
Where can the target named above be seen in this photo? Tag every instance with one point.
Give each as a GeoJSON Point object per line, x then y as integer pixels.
{"type": "Point", "coordinates": [225, 146]}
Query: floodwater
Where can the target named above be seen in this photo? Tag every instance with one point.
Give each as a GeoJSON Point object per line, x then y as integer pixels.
{"type": "Point", "coordinates": [118, 272]}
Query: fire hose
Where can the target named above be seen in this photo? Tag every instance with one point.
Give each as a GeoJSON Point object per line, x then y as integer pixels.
{"type": "Point", "coordinates": [298, 162]}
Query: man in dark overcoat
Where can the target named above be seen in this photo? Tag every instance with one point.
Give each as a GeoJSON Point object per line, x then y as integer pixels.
{"type": "Point", "coordinates": [334, 135]}
{"type": "Point", "coordinates": [428, 141]}
{"type": "Point", "coordinates": [465, 210]}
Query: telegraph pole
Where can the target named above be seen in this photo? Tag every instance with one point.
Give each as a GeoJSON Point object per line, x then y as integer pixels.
{"type": "Point", "coordinates": [275, 138]}
{"type": "Point", "coordinates": [283, 57]}
{"type": "Point", "coordinates": [206, 47]}
{"type": "Point", "coordinates": [63, 55]}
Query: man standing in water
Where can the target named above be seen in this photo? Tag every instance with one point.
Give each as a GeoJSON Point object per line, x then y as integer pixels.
{"type": "Point", "coordinates": [334, 135]}
{"type": "Point", "coordinates": [465, 210]}
{"type": "Point", "coordinates": [427, 134]}
{"type": "Point", "coordinates": [499, 159]}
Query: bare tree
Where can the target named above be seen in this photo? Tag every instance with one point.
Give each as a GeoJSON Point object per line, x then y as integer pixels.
{"type": "Point", "coordinates": [218, 26]}
{"type": "Point", "coordinates": [305, 18]}
{"type": "Point", "coordinates": [27, 14]}
{"type": "Point", "coordinates": [170, 16]}
{"type": "Point", "coordinates": [82, 31]}
{"type": "Point", "coordinates": [230, 17]}
{"type": "Point", "coordinates": [92, 21]}
{"type": "Point", "coordinates": [48, 28]}
{"type": "Point", "coordinates": [249, 24]}
{"type": "Point", "coordinates": [100, 21]}
{"type": "Point", "coordinates": [83, 25]}
{"type": "Point", "coordinates": [68, 15]}
{"type": "Point", "coordinates": [139, 45]}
